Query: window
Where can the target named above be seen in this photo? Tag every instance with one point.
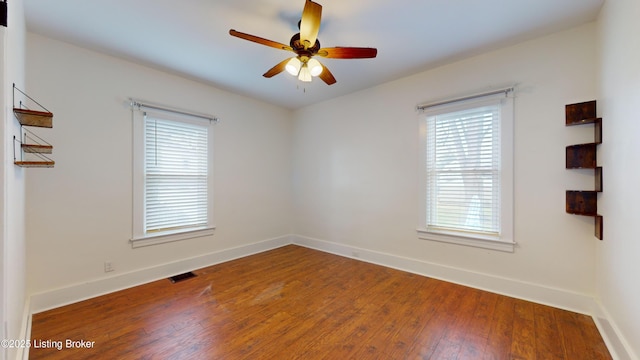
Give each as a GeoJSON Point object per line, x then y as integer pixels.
{"type": "Point", "coordinates": [172, 178]}
{"type": "Point", "coordinates": [467, 175]}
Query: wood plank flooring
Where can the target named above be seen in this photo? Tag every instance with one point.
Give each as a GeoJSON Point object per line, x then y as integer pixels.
{"type": "Point", "coordinates": [298, 303]}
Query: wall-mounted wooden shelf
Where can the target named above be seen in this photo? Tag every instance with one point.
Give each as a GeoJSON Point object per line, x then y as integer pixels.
{"type": "Point", "coordinates": [30, 143]}
{"type": "Point", "coordinates": [35, 164]}
{"type": "Point", "coordinates": [34, 118]}
{"type": "Point", "coordinates": [37, 148]}
{"type": "Point", "coordinates": [581, 156]}
{"type": "Point", "coordinates": [580, 113]}
{"type": "Point", "coordinates": [584, 156]}
{"type": "Point", "coordinates": [582, 202]}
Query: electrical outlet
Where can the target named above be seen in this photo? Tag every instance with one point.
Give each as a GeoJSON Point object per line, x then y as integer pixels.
{"type": "Point", "coordinates": [108, 266]}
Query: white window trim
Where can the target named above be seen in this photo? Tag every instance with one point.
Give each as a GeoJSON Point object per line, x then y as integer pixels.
{"type": "Point", "coordinates": [505, 242]}
{"type": "Point", "coordinates": [139, 238]}
{"type": "Point", "coordinates": [170, 237]}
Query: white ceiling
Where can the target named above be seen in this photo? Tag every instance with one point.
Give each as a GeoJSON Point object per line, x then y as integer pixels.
{"type": "Point", "coordinates": [191, 37]}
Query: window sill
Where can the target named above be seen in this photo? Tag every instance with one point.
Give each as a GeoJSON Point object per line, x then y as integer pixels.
{"type": "Point", "coordinates": [170, 237]}
{"type": "Point", "coordinates": [484, 243]}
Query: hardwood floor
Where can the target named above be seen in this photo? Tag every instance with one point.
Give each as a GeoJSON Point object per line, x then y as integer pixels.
{"type": "Point", "coordinates": [297, 303]}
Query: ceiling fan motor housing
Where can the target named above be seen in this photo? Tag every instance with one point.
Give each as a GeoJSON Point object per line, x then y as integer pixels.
{"type": "Point", "coordinates": [298, 46]}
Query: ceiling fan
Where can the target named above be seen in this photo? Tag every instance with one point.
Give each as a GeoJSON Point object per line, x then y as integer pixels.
{"type": "Point", "coordinates": [305, 45]}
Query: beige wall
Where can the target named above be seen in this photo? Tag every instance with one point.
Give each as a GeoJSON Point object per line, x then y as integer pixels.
{"type": "Point", "coordinates": [617, 261]}
{"type": "Point", "coordinates": [345, 171]}
{"type": "Point", "coordinates": [356, 163]}
{"type": "Point", "coordinates": [79, 214]}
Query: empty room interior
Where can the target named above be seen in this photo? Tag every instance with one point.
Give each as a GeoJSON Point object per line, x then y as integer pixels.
{"type": "Point", "coordinates": [408, 179]}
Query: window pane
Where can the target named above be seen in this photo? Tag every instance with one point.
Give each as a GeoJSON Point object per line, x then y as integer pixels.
{"type": "Point", "coordinates": [463, 170]}
{"type": "Point", "coordinates": [175, 175]}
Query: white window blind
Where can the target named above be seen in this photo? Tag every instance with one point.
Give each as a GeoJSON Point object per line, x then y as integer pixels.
{"type": "Point", "coordinates": [463, 171]}
{"type": "Point", "coordinates": [175, 175]}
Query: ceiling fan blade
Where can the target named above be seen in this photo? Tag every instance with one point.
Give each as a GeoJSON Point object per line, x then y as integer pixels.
{"type": "Point", "coordinates": [348, 52]}
{"type": "Point", "coordinates": [310, 23]}
{"type": "Point", "coordinates": [277, 69]}
{"type": "Point", "coordinates": [260, 40]}
{"type": "Point", "coordinates": [327, 76]}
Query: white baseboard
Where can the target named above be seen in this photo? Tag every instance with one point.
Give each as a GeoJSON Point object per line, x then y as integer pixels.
{"type": "Point", "coordinates": [616, 343]}
{"type": "Point", "coordinates": [559, 298]}
{"type": "Point", "coordinates": [533, 292]}
{"type": "Point", "coordinates": [78, 292]}
{"type": "Point", "coordinates": [25, 331]}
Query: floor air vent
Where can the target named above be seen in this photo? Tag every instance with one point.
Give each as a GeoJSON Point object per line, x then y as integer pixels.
{"type": "Point", "coordinates": [182, 277]}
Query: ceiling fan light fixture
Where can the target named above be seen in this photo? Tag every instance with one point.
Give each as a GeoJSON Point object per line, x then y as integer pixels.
{"type": "Point", "coordinates": [305, 74]}
{"type": "Point", "coordinates": [305, 45]}
{"type": "Point", "coordinates": [315, 68]}
{"type": "Point", "coordinates": [293, 66]}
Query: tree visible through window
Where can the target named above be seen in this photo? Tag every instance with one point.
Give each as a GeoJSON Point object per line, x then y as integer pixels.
{"type": "Point", "coordinates": [467, 181]}
{"type": "Point", "coordinates": [463, 170]}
